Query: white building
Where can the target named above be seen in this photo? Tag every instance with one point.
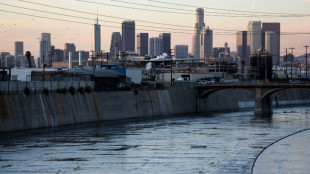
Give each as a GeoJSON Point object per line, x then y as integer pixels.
{"type": "Point", "coordinates": [181, 51]}
{"type": "Point", "coordinates": [255, 35]}
{"type": "Point", "coordinates": [45, 48]}
{"type": "Point", "coordinates": [97, 38]}
{"type": "Point", "coordinates": [198, 28]}
{"type": "Point", "coordinates": [206, 43]}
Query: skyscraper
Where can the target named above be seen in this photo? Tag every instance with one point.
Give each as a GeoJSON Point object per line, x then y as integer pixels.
{"type": "Point", "coordinates": [271, 40]}
{"type": "Point", "coordinates": [242, 46]}
{"type": "Point", "coordinates": [128, 35]}
{"type": "Point", "coordinates": [45, 48]}
{"type": "Point", "coordinates": [166, 39]}
{"type": "Point", "coordinates": [254, 36]}
{"type": "Point", "coordinates": [19, 48]}
{"type": "Point", "coordinates": [273, 27]}
{"type": "Point", "coordinates": [198, 28]}
{"type": "Point", "coordinates": [116, 44]}
{"type": "Point", "coordinates": [59, 55]}
{"type": "Point", "coordinates": [69, 47]}
{"type": "Point", "coordinates": [181, 51]}
{"type": "Point", "coordinates": [143, 44]}
{"type": "Point", "coordinates": [97, 38]}
{"type": "Point", "coordinates": [206, 43]}
{"type": "Point", "coordinates": [155, 46]}
{"type": "Point", "coordinates": [3, 60]}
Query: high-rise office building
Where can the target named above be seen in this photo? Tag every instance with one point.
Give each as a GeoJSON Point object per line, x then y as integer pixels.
{"type": "Point", "coordinates": [197, 32]}
{"type": "Point", "coordinates": [9, 60]}
{"type": "Point", "coordinates": [21, 61]}
{"type": "Point", "coordinates": [45, 48]}
{"type": "Point", "coordinates": [254, 36]}
{"type": "Point", "coordinates": [59, 55]}
{"type": "Point", "coordinates": [155, 46]}
{"type": "Point", "coordinates": [85, 55]}
{"type": "Point", "coordinates": [2, 56]}
{"type": "Point", "coordinates": [116, 44]}
{"type": "Point", "coordinates": [166, 38]}
{"type": "Point", "coordinates": [273, 27]}
{"type": "Point", "coordinates": [69, 47]}
{"type": "Point", "coordinates": [97, 38]}
{"type": "Point", "coordinates": [181, 51]}
{"type": "Point", "coordinates": [271, 40]}
{"type": "Point", "coordinates": [242, 47]}
{"type": "Point", "coordinates": [143, 44]}
{"type": "Point", "coordinates": [128, 35]}
{"type": "Point", "coordinates": [206, 43]}
{"type": "Point", "coordinates": [19, 48]}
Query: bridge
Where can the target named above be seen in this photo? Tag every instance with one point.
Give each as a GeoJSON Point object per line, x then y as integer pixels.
{"type": "Point", "coordinates": [261, 93]}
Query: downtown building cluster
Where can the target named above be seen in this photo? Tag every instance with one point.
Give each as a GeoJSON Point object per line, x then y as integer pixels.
{"type": "Point", "coordinates": [259, 36]}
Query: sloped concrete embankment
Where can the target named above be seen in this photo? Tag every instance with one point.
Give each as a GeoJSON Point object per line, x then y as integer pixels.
{"type": "Point", "coordinates": [20, 112]}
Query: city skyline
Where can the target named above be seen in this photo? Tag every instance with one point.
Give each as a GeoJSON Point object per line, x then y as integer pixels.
{"type": "Point", "coordinates": [17, 27]}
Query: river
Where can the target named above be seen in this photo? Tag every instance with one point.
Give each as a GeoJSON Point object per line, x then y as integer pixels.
{"type": "Point", "coordinates": [213, 143]}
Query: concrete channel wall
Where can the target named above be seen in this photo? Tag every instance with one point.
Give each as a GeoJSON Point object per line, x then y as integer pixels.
{"type": "Point", "coordinates": [21, 112]}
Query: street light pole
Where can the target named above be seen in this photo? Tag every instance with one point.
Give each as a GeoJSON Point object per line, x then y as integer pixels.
{"type": "Point", "coordinates": [306, 62]}
{"type": "Point", "coordinates": [286, 63]}
{"type": "Point", "coordinates": [171, 62]}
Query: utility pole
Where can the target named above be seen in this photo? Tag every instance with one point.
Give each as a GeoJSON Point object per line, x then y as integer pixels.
{"type": "Point", "coordinates": [92, 63]}
{"type": "Point", "coordinates": [292, 61]}
{"type": "Point", "coordinates": [285, 63]}
{"type": "Point", "coordinates": [307, 46]}
{"type": "Point", "coordinates": [43, 64]}
{"type": "Point", "coordinates": [171, 62]}
{"type": "Point", "coordinates": [108, 54]}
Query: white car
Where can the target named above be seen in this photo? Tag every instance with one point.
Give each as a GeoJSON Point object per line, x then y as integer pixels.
{"type": "Point", "coordinates": [204, 82]}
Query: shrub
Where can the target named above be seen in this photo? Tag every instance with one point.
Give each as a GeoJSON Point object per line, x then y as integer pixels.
{"type": "Point", "coordinates": [81, 90]}
{"type": "Point", "coordinates": [88, 89]}
{"type": "Point", "coordinates": [72, 90]}
{"type": "Point", "coordinates": [45, 91]}
{"type": "Point", "coordinates": [27, 91]}
{"type": "Point", "coordinates": [62, 90]}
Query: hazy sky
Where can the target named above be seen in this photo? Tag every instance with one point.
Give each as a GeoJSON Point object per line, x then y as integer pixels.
{"type": "Point", "coordinates": [17, 27]}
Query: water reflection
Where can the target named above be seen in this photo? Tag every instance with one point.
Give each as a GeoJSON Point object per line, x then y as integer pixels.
{"type": "Point", "coordinates": [217, 143]}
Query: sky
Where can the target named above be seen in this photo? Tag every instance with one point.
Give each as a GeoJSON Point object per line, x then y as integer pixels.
{"type": "Point", "coordinates": [23, 20]}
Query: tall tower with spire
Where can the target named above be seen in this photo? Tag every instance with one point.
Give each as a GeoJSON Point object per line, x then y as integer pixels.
{"type": "Point", "coordinates": [197, 32]}
{"type": "Point", "coordinates": [97, 37]}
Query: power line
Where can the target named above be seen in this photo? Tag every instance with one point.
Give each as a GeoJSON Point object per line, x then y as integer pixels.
{"type": "Point", "coordinates": [222, 9]}
{"type": "Point", "coordinates": [95, 14]}
{"type": "Point", "coordinates": [80, 17]}
{"type": "Point", "coordinates": [263, 14]}
{"type": "Point", "coordinates": [84, 12]}
{"type": "Point", "coordinates": [72, 21]}
{"type": "Point", "coordinates": [257, 14]}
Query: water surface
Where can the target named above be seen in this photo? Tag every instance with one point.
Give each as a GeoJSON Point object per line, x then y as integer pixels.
{"type": "Point", "coordinates": [214, 143]}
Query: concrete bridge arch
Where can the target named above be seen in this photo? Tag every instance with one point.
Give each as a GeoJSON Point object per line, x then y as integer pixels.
{"type": "Point", "coordinates": [261, 94]}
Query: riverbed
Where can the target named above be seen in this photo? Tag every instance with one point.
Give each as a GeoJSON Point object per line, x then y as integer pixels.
{"type": "Point", "coordinates": [212, 143]}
